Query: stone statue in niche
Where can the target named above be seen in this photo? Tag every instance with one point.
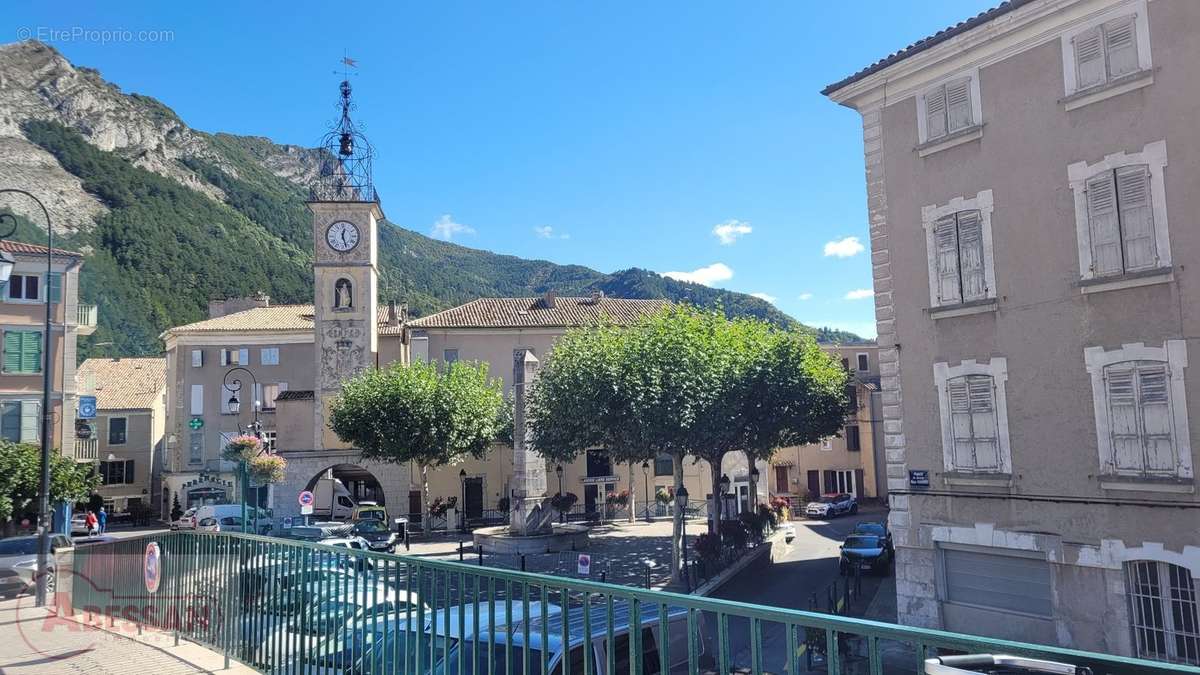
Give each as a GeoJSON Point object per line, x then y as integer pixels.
{"type": "Point", "coordinates": [343, 294]}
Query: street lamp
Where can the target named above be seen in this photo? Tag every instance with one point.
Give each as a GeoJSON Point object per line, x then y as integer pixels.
{"type": "Point", "coordinates": [681, 500]}
{"type": "Point", "coordinates": [646, 488]}
{"type": "Point", "coordinates": [234, 386]}
{"type": "Point", "coordinates": [562, 517]}
{"type": "Point", "coordinates": [753, 486]}
{"type": "Point", "coordinates": [462, 491]}
{"type": "Point", "coordinates": [6, 268]}
{"type": "Point", "coordinates": [724, 493]}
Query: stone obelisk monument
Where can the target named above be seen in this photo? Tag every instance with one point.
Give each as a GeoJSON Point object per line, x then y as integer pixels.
{"type": "Point", "coordinates": [527, 514]}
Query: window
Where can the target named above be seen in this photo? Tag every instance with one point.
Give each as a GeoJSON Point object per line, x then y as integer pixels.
{"type": "Point", "coordinates": [1004, 580]}
{"type": "Point", "coordinates": [450, 355]}
{"type": "Point", "coordinates": [22, 351]}
{"type": "Point", "coordinates": [197, 358]}
{"type": "Point", "coordinates": [852, 398]}
{"type": "Point", "coordinates": [117, 427]}
{"type": "Point", "coordinates": [235, 357]}
{"type": "Point", "coordinates": [270, 392]}
{"type": "Point", "coordinates": [664, 465]}
{"type": "Point", "coordinates": [116, 472]}
{"type": "Point", "coordinates": [948, 108]}
{"type": "Point", "coordinates": [24, 286]}
{"type": "Point", "coordinates": [840, 482]}
{"type": "Point", "coordinates": [1141, 415]}
{"type": "Point", "coordinates": [958, 239]}
{"type": "Point", "coordinates": [1163, 610]}
{"type": "Point", "coordinates": [19, 421]}
{"type": "Point", "coordinates": [196, 447]}
{"type": "Point", "coordinates": [864, 362]}
{"type": "Point", "coordinates": [197, 399]}
{"type": "Point", "coordinates": [268, 440]}
{"type": "Point", "coordinates": [852, 440]}
{"type": "Point", "coordinates": [55, 286]}
{"type": "Point", "coordinates": [826, 444]}
{"type": "Point", "coordinates": [269, 356]}
{"type": "Point", "coordinates": [974, 416]}
{"type": "Point", "coordinates": [846, 364]}
{"type": "Point", "coordinates": [1105, 52]}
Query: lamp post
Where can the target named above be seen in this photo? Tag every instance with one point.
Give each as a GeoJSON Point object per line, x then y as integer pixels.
{"type": "Point", "coordinates": [681, 500]}
{"type": "Point", "coordinates": [724, 492]}
{"type": "Point", "coordinates": [462, 491]}
{"type": "Point", "coordinates": [562, 517]}
{"type": "Point", "coordinates": [6, 267]}
{"type": "Point", "coordinates": [753, 486]}
{"type": "Point", "coordinates": [646, 488]}
{"type": "Point", "coordinates": [234, 385]}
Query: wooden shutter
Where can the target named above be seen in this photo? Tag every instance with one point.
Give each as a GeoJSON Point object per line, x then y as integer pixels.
{"type": "Point", "coordinates": [55, 287]}
{"type": "Point", "coordinates": [1123, 418]}
{"type": "Point", "coordinates": [983, 422]}
{"type": "Point", "coordinates": [1089, 58]}
{"type": "Point", "coordinates": [1102, 219]}
{"type": "Point", "coordinates": [1120, 45]}
{"type": "Point", "coordinates": [1137, 217]}
{"type": "Point", "coordinates": [129, 474]}
{"type": "Point", "coordinates": [243, 356]}
{"type": "Point", "coordinates": [197, 358]}
{"type": "Point", "coordinates": [29, 422]}
{"type": "Point", "coordinates": [1154, 400]}
{"type": "Point", "coordinates": [960, 423]}
{"type": "Point", "coordinates": [197, 399]}
{"type": "Point", "coordinates": [970, 246]}
{"type": "Point", "coordinates": [945, 235]}
{"type": "Point", "coordinates": [935, 113]}
{"type": "Point", "coordinates": [224, 357]}
{"type": "Point", "coordinates": [12, 351]}
{"type": "Point", "coordinates": [958, 104]}
{"type": "Point", "coordinates": [31, 352]}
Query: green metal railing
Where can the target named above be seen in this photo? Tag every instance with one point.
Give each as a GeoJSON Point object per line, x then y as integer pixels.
{"type": "Point", "coordinates": [291, 607]}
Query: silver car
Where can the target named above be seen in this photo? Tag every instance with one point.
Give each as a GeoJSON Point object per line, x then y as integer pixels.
{"type": "Point", "coordinates": [18, 563]}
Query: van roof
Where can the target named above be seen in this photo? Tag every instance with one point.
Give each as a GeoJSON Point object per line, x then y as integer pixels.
{"type": "Point", "coordinates": [598, 618]}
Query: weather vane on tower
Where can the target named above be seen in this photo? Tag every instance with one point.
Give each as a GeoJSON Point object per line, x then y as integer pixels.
{"type": "Point", "coordinates": [345, 176]}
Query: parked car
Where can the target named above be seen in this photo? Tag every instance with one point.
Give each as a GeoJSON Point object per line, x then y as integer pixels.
{"type": "Point", "coordinates": [354, 544]}
{"type": "Point", "coordinates": [832, 505]}
{"type": "Point", "coordinates": [369, 511]}
{"type": "Point", "coordinates": [79, 525]}
{"type": "Point", "coordinates": [186, 522]}
{"type": "Point", "coordinates": [376, 533]}
{"type": "Point", "coordinates": [315, 532]}
{"type": "Point", "coordinates": [864, 552]}
{"type": "Point", "coordinates": [92, 540]}
{"type": "Point", "coordinates": [878, 529]}
{"type": "Point", "coordinates": [18, 563]}
{"type": "Point", "coordinates": [223, 524]}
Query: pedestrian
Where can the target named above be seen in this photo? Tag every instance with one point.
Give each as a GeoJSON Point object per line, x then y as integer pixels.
{"type": "Point", "coordinates": [91, 523]}
{"type": "Point", "coordinates": [103, 518]}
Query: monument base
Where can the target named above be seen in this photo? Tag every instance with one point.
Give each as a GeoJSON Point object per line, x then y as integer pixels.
{"type": "Point", "coordinates": [563, 537]}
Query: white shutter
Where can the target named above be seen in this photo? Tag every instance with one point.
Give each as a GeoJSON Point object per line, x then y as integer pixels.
{"type": "Point", "coordinates": [983, 422]}
{"type": "Point", "coordinates": [197, 399]}
{"type": "Point", "coordinates": [197, 358]}
{"type": "Point", "coordinates": [1123, 422]}
{"type": "Point", "coordinates": [29, 422]}
{"type": "Point", "coordinates": [244, 356]}
{"type": "Point", "coordinates": [1156, 418]}
{"type": "Point", "coordinates": [1137, 217]}
{"type": "Point", "coordinates": [958, 104]}
{"type": "Point", "coordinates": [1089, 58]}
{"type": "Point", "coordinates": [224, 357]}
{"type": "Point", "coordinates": [970, 246]}
{"type": "Point", "coordinates": [1102, 219]}
{"type": "Point", "coordinates": [1120, 44]}
{"type": "Point", "coordinates": [960, 423]}
{"type": "Point", "coordinates": [945, 233]}
{"type": "Point", "coordinates": [935, 113]}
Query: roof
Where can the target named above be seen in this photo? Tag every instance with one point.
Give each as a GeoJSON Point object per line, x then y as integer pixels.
{"type": "Point", "coordinates": [126, 383]}
{"type": "Point", "coordinates": [534, 313]}
{"type": "Point", "coordinates": [272, 319]}
{"type": "Point", "coordinates": [928, 42]}
{"type": "Point", "coordinates": [34, 249]}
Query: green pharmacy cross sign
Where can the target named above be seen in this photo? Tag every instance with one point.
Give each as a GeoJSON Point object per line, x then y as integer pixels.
{"type": "Point", "coordinates": [195, 423]}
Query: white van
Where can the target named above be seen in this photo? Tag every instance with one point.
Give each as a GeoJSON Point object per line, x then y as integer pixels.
{"type": "Point", "coordinates": [332, 500]}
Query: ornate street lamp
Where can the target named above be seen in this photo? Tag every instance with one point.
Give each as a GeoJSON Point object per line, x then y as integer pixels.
{"type": "Point", "coordinates": [234, 385]}
{"type": "Point", "coordinates": [646, 488]}
{"type": "Point", "coordinates": [562, 516]}
{"type": "Point", "coordinates": [462, 490]}
{"type": "Point", "coordinates": [681, 501]}
{"type": "Point", "coordinates": [753, 486]}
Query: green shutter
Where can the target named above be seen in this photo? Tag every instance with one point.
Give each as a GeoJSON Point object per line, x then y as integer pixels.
{"type": "Point", "coordinates": [12, 351]}
{"type": "Point", "coordinates": [55, 287]}
{"type": "Point", "coordinates": [31, 352]}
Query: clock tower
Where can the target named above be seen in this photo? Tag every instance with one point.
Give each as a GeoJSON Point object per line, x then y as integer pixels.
{"type": "Point", "coordinates": [345, 211]}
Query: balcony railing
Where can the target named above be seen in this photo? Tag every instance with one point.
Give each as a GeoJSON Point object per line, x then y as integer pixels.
{"type": "Point", "coordinates": [85, 319]}
{"type": "Point", "coordinates": [258, 600]}
{"type": "Point", "coordinates": [87, 449]}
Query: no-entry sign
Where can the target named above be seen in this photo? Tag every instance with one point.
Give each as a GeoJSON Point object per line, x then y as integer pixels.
{"type": "Point", "coordinates": [305, 498]}
{"type": "Point", "coordinates": [585, 564]}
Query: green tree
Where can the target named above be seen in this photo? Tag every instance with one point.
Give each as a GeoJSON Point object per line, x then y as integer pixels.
{"type": "Point", "coordinates": [20, 480]}
{"type": "Point", "coordinates": [421, 413]}
{"type": "Point", "coordinates": [684, 382]}
{"type": "Point", "coordinates": [176, 508]}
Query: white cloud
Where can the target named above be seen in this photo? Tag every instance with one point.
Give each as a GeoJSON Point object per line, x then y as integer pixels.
{"type": "Point", "coordinates": [805, 296]}
{"type": "Point", "coordinates": [446, 228]}
{"type": "Point", "coordinates": [860, 294]}
{"type": "Point", "coordinates": [705, 275]}
{"type": "Point", "coordinates": [729, 231]}
{"type": "Point", "coordinates": [547, 232]}
{"type": "Point", "coordinates": [844, 248]}
{"type": "Point", "coordinates": [765, 296]}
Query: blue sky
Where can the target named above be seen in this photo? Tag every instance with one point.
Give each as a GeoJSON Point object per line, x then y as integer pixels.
{"type": "Point", "coordinates": [681, 137]}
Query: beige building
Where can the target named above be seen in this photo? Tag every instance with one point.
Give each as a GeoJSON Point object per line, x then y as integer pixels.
{"type": "Point", "coordinates": [126, 436]}
{"type": "Point", "coordinates": [1030, 189]}
{"type": "Point", "coordinates": [850, 462]}
{"type": "Point", "coordinates": [22, 319]}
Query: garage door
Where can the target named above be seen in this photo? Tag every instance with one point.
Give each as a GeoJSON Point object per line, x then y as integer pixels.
{"type": "Point", "coordinates": [1000, 581]}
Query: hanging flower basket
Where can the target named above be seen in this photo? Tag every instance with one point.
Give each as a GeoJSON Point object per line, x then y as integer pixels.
{"type": "Point", "coordinates": [242, 448]}
{"type": "Point", "coordinates": [265, 469]}
{"type": "Point", "coordinates": [665, 495]}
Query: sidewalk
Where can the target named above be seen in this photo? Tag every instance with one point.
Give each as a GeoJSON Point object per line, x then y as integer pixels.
{"type": "Point", "coordinates": [33, 640]}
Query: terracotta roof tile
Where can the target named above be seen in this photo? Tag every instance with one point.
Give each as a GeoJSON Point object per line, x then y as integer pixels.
{"type": "Point", "coordinates": [34, 249]}
{"type": "Point", "coordinates": [533, 313]}
{"type": "Point", "coordinates": [275, 318]}
{"type": "Point", "coordinates": [125, 383]}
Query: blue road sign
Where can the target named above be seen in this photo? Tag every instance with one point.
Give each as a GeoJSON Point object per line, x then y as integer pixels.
{"type": "Point", "coordinates": [87, 407]}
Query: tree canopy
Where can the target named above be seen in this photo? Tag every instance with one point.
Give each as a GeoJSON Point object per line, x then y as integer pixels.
{"type": "Point", "coordinates": [20, 479]}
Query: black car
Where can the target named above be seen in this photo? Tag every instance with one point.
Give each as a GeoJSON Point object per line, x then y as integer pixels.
{"type": "Point", "coordinates": [377, 534]}
{"type": "Point", "coordinates": [877, 529]}
{"type": "Point", "coordinates": [864, 552]}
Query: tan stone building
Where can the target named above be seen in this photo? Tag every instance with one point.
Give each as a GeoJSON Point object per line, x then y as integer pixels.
{"type": "Point", "coordinates": [1030, 188]}
{"type": "Point", "coordinates": [126, 436]}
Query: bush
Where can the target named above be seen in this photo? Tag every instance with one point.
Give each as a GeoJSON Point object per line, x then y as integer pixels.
{"type": "Point", "coordinates": [176, 508]}
{"type": "Point", "coordinates": [618, 499]}
{"type": "Point", "coordinates": [753, 525]}
{"type": "Point", "coordinates": [733, 533]}
{"type": "Point", "coordinates": [707, 547]}
{"type": "Point", "coordinates": [563, 502]}
{"type": "Point", "coordinates": [767, 517]}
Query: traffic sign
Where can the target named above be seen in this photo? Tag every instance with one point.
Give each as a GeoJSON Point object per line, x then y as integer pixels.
{"type": "Point", "coordinates": [305, 498]}
{"type": "Point", "coordinates": [306, 510]}
{"type": "Point", "coordinates": [585, 564]}
{"type": "Point", "coordinates": [87, 407]}
{"type": "Point", "coordinates": [195, 424]}
{"type": "Point", "coordinates": [152, 567]}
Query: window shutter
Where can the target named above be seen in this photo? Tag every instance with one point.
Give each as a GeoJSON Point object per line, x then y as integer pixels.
{"type": "Point", "coordinates": [54, 287]}
{"type": "Point", "coordinates": [946, 236]}
{"type": "Point", "coordinates": [1156, 418]}
{"type": "Point", "coordinates": [970, 246]}
{"type": "Point", "coordinates": [1102, 219]}
{"type": "Point", "coordinates": [983, 422]}
{"type": "Point", "coordinates": [1120, 44]}
{"type": "Point", "coordinates": [1137, 217]}
{"type": "Point", "coordinates": [1089, 58]}
{"type": "Point", "coordinates": [29, 422]}
{"type": "Point", "coordinates": [12, 351]}
{"type": "Point", "coordinates": [197, 358]}
{"type": "Point", "coordinates": [935, 113]}
{"type": "Point", "coordinates": [960, 422]}
{"type": "Point", "coordinates": [244, 356]}
{"type": "Point", "coordinates": [958, 104]}
{"type": "Point", "coordinates": [197, 399]}
{"type": "Point", "coordinates": [1122, 405]}
{"type": "Point", "coordinates": [129, 475]}
{"type": "Point", "coordinates": [31, 352]}
{"type": "Point", "coordinates": [224, 357]}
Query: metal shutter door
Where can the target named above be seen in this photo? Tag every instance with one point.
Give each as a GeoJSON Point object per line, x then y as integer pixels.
{"type": "Point", "coordinates": [1006, 582]}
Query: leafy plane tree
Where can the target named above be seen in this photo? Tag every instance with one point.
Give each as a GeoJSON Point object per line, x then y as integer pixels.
{"type": "Point", "coordinates": [20, 471]}
{"type": "Point", "coordinates": [421, 413]}
{"type": "Point", "coordinates": [684, 382]}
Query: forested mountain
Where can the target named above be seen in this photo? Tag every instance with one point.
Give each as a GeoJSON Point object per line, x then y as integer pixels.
{"type": "Point", "coordinates": [170, 217]}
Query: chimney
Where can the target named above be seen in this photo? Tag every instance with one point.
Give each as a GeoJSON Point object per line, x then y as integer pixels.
{"type": "Point", "coordinates": [227, 306]}
{"type": "Point", "coordinates": [393, 319]}
{"type": "Point", "coordinates": [597, 296]}
{"type": "Point", "coordinates": [549, 299]}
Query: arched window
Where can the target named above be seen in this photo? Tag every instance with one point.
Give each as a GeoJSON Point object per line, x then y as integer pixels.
{"type": "Point", "coordinates": [343, 294]}
{"type": "Point", "coordinates": [1163, 611]}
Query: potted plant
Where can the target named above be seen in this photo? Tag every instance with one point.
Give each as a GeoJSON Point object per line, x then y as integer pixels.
{"type": "Point", "coordinates": [265, 469]}
{"type": "Point", "coordinates": [242, 448]}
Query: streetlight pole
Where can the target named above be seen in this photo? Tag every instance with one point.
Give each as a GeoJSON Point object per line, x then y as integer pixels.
{"type": "Point", "coordinates": [234, 385]}
{"type": "Point", "coordinates": [462, 490]}
{"type": "Point", "coordinates": [681, 501]}
{"type": "Point", "coordinates": [562, 516]}
{"type": "Point", "coordinates": [47, 413]}
{"type": "Point", "coordinates": [646, 488]}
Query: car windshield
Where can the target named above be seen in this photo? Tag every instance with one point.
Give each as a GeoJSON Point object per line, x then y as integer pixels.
{"type": "Point", "coordinates": [870, 528]}
{"type": "Point", "coordinates": [862, 542]}
{"type": "Point", "coordinates": [18, 546]}
{"type": "Point", "coordinates": [829, 499]}
{"type": "Point", "coordinates": [371, 514]}
{"type": "Point", "coordinates": [370, 527]}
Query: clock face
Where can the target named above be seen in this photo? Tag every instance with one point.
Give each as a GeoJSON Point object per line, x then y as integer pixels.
{"type": "Point", "coordinates": [342, 236]}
